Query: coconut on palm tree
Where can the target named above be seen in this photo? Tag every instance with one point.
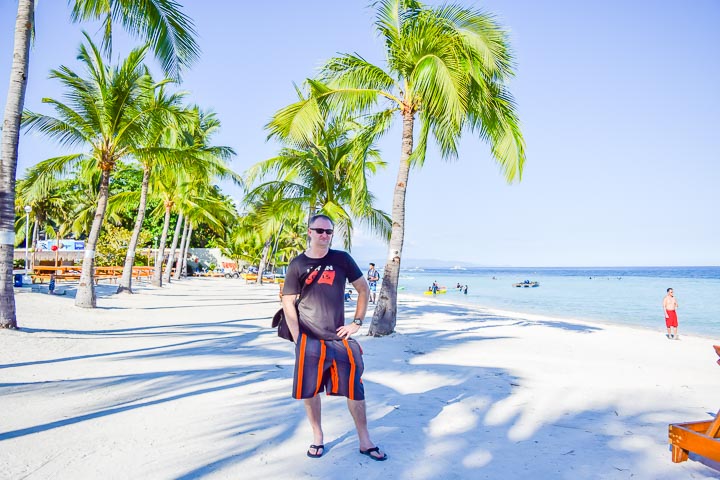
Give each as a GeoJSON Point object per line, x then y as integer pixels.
{"type": "Point", "coordinates": [446, 73]}
{"type": "Point", "coordinates": [160, 22]}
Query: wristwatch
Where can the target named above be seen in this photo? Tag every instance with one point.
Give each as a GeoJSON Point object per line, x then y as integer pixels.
{"type": "Point", "coordinates": [358, 321]}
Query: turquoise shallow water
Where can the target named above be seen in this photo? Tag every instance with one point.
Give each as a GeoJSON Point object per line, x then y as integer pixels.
{"type": "Point", "coordinates": [628, 296]}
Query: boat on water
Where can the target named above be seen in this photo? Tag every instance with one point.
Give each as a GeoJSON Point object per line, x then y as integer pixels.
{"type": "Point", "coordinates": [526, 284]}
{"type": "Point", "coordinates": [457, 267]}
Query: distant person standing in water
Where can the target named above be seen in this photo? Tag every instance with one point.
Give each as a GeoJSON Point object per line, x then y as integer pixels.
{"type": "Point", "coordinates": [670, 306]}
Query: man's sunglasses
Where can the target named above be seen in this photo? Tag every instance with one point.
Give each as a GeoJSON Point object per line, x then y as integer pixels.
{"type": "Point", "coordinates": [320, 231]}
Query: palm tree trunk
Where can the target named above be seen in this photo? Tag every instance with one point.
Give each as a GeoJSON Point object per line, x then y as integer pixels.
{"type": "Point", "coordinates": [126, 280]}
{"type": "Point", "coordinates": [187, 249]}
{"type": "Point", "coordinates": [183, 246]}
{"type": "Point", "coordinates": [171, 255]}
{"type": "Point", "coordinates": [157, 273]}
{"type": "Point", "coordinates": [85, 296]}
{"type": "Point", "coordinates": [36, 224]}
{"type": "Point", "coordinates": [9, 155]}
{"type": "Point", "coordinates": [385, 315]}
{"type": "Point", "coordinates": [274, 249]}
{"type": "Point", "coordinates": [263, 261]}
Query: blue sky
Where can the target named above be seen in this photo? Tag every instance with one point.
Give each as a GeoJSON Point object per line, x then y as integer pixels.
{"type": "Point", "coordinates": [618, 101]}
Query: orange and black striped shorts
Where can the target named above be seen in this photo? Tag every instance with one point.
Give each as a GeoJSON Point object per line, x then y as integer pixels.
{"type": "Point", "coordinates": [335, 366]}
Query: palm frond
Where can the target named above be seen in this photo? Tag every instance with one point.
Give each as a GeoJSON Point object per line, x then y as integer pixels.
{"type": "Point", "coordinates": [159, 22]}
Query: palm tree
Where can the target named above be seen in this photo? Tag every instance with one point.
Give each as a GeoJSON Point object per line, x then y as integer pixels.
{"type": "Point", "coordinates": [160, 151]}
{"type": "Point", "coordinates": [109, 111]}
{"type": "Point", "coordinates": [267, 212]}
{"type": "Point", "coordinates": [205, 163]}
{"type": "Point", "coordinates": [161, 22]}
{"type": "Point", "coordinates": [47, 198]}
{"type": "Point", "coordinates": [447, 69]}
{"type": "Point", "coordinates": [324, 172]}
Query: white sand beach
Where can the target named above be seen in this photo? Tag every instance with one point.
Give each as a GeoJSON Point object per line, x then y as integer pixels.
{"type": "Point", "coordinates": [189, 381]}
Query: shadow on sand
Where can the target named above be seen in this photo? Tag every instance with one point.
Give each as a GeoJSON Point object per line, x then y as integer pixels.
{"type": "Point", "coordinates": [433, 429]}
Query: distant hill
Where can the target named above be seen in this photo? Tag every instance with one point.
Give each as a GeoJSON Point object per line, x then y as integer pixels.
{"type": "Point", "coordinates": [420, 263]}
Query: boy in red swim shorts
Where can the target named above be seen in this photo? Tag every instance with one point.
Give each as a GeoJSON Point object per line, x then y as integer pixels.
{"type": "Point", "coordinates": [670, 306]}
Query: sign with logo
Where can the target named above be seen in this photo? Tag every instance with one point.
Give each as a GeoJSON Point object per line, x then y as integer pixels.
{"type": "Point", "coordinates": [62, 245]}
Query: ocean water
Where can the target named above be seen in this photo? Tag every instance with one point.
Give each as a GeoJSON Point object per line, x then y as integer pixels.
{"type": "Point", "coordinates": [622, 295]}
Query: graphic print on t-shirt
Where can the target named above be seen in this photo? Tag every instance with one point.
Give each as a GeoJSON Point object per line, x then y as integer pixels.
{"type": "Point", "coordinates": [327, 277]}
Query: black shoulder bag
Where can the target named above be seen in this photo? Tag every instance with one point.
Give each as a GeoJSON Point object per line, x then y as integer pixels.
{"type": "Point", "coordinates": [279, 321]}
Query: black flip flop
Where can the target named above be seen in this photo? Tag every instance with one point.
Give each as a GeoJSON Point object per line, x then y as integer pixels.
{"type": "Point", "coordinates": [316, 454]}
{"type": "Point", "coordinates": [369, 452]}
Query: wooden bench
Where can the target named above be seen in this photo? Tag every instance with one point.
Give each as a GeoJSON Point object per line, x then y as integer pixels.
{"type": "Point", "coordinates": [62, 273]}
{"type": "Point", "coordinates": [701, 438]}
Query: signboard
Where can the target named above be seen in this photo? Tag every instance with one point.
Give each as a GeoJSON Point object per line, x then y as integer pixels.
{"type": "Point", "coordinates": [63, 245]}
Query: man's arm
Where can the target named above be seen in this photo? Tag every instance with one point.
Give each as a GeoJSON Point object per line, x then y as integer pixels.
{"type": "Point", "coordinates": [665, 302]}
{"type": "Point", "coordinates": [361, 286]}
{"type": "Point", "coordinates": [291, 315]}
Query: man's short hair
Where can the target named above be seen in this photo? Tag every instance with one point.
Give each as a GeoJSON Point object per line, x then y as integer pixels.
{"type": "Point", "coordinates": [668, 290]}
{"type": "Point", "coordinates": [372, 264]}
{"type": "Point", "coordinates": [315, 217]}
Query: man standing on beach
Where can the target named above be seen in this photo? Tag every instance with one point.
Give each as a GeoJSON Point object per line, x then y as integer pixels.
{"type": "Point", "coordinates": [670, 306]}
{"type": "Point", "coordinates": [326, 358]}
{"type": "Point", "coordinates": [372, 277]}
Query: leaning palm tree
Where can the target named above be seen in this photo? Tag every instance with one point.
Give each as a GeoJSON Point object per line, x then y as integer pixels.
{"type": "Point", "coordinates": [161, 22]}
{"type": "Point", "coordinates": [447, 69]}
{"type": "Point", "coordinates": [108, 111]}
{"type": "Point", "coordinates": [158, 151]}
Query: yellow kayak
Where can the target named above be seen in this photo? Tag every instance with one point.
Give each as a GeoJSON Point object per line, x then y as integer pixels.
{"type": "Point", "coordinates": [439, 290]}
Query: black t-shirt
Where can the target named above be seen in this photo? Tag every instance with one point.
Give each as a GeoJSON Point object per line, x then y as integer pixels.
{"type": "Point", "coordinates": [322, 307]}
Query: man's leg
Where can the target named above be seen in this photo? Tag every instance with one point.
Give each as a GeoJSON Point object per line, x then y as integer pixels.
{"type": "Point", "coordinates": [357, 410]}
{"type": "Point", "coordinates": [313, 408]}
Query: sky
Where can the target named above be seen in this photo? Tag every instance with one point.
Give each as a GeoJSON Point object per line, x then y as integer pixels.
{"type": "Point", "coordinates": [618, 103]}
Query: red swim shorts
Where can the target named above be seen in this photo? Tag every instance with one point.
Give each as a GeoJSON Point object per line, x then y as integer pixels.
{"type": "Point", "coordinates": [671, 318]}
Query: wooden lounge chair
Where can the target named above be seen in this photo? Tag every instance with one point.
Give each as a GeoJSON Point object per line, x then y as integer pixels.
{"type": "Point", "coordinates": [701, 438]}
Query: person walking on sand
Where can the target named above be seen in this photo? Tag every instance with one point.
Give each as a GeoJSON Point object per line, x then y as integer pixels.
{"type": "Point", "coordinates": [670, 306]}
{"type": "Point", "coordinates": [372, 277]}
{"type": "Point", "coordinates": [326, 357]}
